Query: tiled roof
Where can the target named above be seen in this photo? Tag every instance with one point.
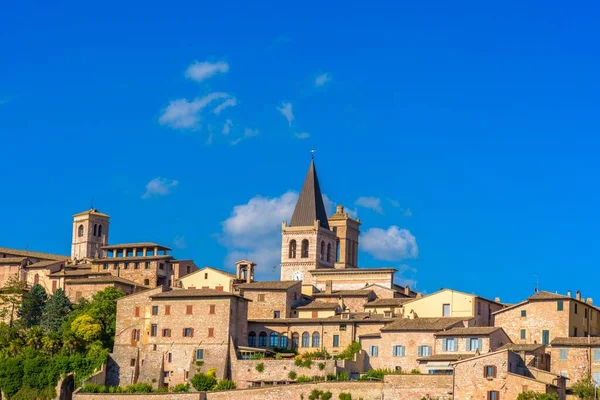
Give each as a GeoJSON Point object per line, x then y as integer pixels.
{"type": "Point", "coordinates": [12, 260]}
{"type": "Point", "coordinates": [92, 211]}
{"type": "Point", "coordinates": [545, 296]}
{"type": "Point", "coordinates": [187, 293]}
{"type": "Point", "coordinates": [268, 285]}
{"type": "Point", "coordinates": [447, 357]}
{"type": "Point", "coordinates": [422, 324]}
{"type": "Point", "coordinates": [370, 335]}
{"type": "Point", "coordinates": [102, 279]}
{"type": "Point", "coordinates": [334, 319]}
{"type": "Point", "coordinates": [387, 302]}
{"type": "Point", "coordinates": [576, 341]}
{"type": "Point", "coordinates": [470, 331]}
{"type": "Point", "coordinates": [77, 272]}
{"type": "Point", "coordinates": [310, 206]}
{"type": "Point", "coordinates": [136, 245]}
{"type": "Point", "coordinates": [44, 263]}
{"type": "Point", "coordinates": [521, 347]}
{"type": "Point", "coordinates": [34, 254]}
{"type": "Point", "coordinates": [123, 259]}
{"type": "Point", "coordinates": [318, 305]}
{"type": "Point", "coordinates": [346, 293]}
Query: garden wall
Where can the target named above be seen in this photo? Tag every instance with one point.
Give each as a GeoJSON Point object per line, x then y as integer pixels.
{"type": "Point", "coordinates": [244, 371]}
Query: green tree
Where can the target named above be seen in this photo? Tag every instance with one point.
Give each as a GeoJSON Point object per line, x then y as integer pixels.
{"type": "Point", "coordinates": [203, 382]}
{"type": "Point", "coordinates": [531, 395]}
{"type": "Point", "coordinates": [584, 389]}
{"type": "Point", "coordinates": [32, 306]}
{"type": "Point", "coordinates": [11, 297]}
{"type": "Point", "coordinates": [56, 311]}
{"type": "Point", "coordinates": [86, 328]}
{"type": "Point", "coordinates": [11, 375]}
{"type": "Point", "coordinates": [103, 308]}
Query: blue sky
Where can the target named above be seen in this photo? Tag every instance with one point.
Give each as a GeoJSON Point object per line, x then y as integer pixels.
{"type": "Point", "coordinates": [474, 124]}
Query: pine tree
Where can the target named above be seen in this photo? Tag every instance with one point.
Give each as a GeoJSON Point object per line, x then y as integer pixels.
{"type": "Point", "coordinates": [32, 306]}
{"type": "Point", "coordinates": [55, 312]}
{"type": "Point", "coordinates": [11, 297]}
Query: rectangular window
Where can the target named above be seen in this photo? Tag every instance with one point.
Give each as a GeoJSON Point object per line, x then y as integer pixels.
{"type": "Point", "coordinates": [139, 253]}
{"type": "Point", "coordinates": [315, 314]}
{"type": "Point", "coordinates": [166, 332]}
{"type": "Point", "coordinates": [135, 335]}
{"type": "Point", "coordinates": [161, 266]}
{"type": "Point", "coordinates": [424, 351]}
{"type": "Point", "coordinates": [119, 253]}
{"type": "Point", "coordinates": [154, 310]}
{"type": "Point", "coordinates": [596, 354]}
{"type": "Point", "coordinates": [132, 362]}
{"type": "Point", "coordinates": [342, 327]}
{"type": "Point", "coordinates": [167, 310]}
{"type": "Point", "coordinates": [563, 354]}
{"type": "Point", "coordinates": [523, 313]}
{"type": "Point", "coordinates": [596, 378]}
{"type": "Point", "coordinates": [478, 308]}
{"type": "Point", "coordinates": [188, 332]}
{"type": "Point", "coordinates": [188, 310]}
{"type": "Point", "coordinates": [261, 297]}
{"type": "Point", "coordinates": [585, 313]}
{"type": "Point", "coordinates": [374, 351]}
{"type": "Point", "coordinates": [129, 253]}
{"type": "Point", "coordinates": [449, 344]}
{"type": "Point", "coordinates": [136, 265]}
{"type": "Point", "coordinates": [206, 275]}
{"type": "Point", "coordinates": [398, 351]}
{"type": "Point", "coordinates": [545, 337]}
{"type": "Point", "coordinates": [170, 357]}
{"type": "Point", "coordinates": [523, 334]}
{"type": "Point", "coordinates": [110, 253]}
{"type": "Point", "coordinates": [211, 309]}
{"type": "Point", "coordinates": [147, 265]}
{"type": "Point", "coordinates": [445, 310]}
{"type": "Point", "coordinates": [575, 331]}
{"type": "Point", "coordinates": [115, 265]}
{"type": "Point", "coordinates": [336, 340]}
{"type": "Point", "coordinates": [126, 265]}
{"type": "Point", "coordinates": [489, 371]}
{"type": "Point", "coordinates": [474, 344]}
{"type": "Point", "coordinates": [150, 253]}
{"type": "Point", "coordinates": [186, 375]}
{"type": "Point", "coordinates": [564, 373]}
{"type": "Point", "coordinates": [153, 330]}
{"type": "Point", "coordinates": [200, 354]}
{"type": "Point", "coordinates": [165, 374]}
{"type": "Point", "coordinates": [105, 266]}
{"type": "Point", "coordinates": [211, 332]}
{"type": "Point", "coordinates": [575, 308]}
{"type": "Point", "coordinates": [276, 314]}
{"type": "Point", "coordinates": [137, 311]}
{"type": "Point", "coordinates": [493, 395]}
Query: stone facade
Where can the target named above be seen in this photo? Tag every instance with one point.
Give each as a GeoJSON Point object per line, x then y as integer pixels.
{"type": "Point", "coordinates": [244, 372]}
{"type": "Point", "coordinates": [576, 358]}
{"type": "Point", "coordinates": [268, 302]}
{"type": "Point", "coordinates": [90, 234]}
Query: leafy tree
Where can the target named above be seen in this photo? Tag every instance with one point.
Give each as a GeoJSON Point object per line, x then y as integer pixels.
{"type": "Point", "coordinates": [203, 383]}
{"type": "Point", "coordinates": [103, 308]}
{"type": "Point", "coordinates": [584, 389]}
{"type": "Point", "coordinates": [56, 311]}
{"type": "Point", "coordinates": [32, 306]}
{"type": "Point", "coordinates": [531, 395]}
{"type": "Point", "coordinates": [225, 384]}
{"type": "Point", "coordinates": [10, 298]}
{"type": "Point", "coordinates": [11, 375]}
{"type": "Point", "coordinates": [86, 328]}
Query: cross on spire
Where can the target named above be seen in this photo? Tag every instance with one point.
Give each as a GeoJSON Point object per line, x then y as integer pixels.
{"type": "Point", "coordinates": [312, 154]}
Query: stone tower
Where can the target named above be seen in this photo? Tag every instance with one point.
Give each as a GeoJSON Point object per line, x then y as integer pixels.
{"type": "Point", "coordinates": [90, 233]}
{"type": "Point", "coordinates": [346, 230]}
{"type": "Point", "coordinates": [307, 242]}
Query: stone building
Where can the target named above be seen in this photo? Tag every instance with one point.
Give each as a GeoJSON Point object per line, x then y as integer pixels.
{"type": "Point", "coordinates": [576, 358]}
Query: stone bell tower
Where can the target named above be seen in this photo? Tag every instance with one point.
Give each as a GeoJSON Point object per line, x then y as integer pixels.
{"type": "Point", "coordinates": [90, 233]}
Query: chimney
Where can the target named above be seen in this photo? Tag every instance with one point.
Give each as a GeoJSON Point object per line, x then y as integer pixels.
{"type": "Point", "coordinates": [328, 286]}
{"type": "Point", "coordinates": [341, 304]}
{"type": "Point", "coordinates": [407, 291]}
{"type": "Point", "coordinates": [339, 209]}
{"type": "Point", "coordinates": [589, 301]}
{"type": "Point", "coordinates": [497, 299]}
{"type": "Point", "coordinates": [578, 295]}
{"type": "Point", "coordinates": [568, 293]}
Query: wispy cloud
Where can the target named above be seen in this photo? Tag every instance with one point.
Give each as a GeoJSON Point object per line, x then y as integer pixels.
{"type": "Point", "coordinates": [406, 212]}
{"type": "Point", "coordinates": [200, 71]}
{"type": "Point", "coordinates": [185, 114]}
{"type": "Point", "coordinates": [286, 110]}
{"type": "Point", "coordinates": [406, 276]}
{"type": "Point", "coordinates": [392, 244]}
{"type": "Point", "coordinates": [226, 104]}
{"type": "Point", "coordinates": [159, 187]}
{"type": "Point", "coordinates": [322, 79]}
{"type": "Point", "coordinates": [180, 242]}
{"type": "Point", "coordinates": [227, 127]}
{"type": "Point", "coordinates": [248, 133]}
{"type": "Point", "coordinates": [372, 203]}
{"type": "Point", "coordinates": [302, 135]}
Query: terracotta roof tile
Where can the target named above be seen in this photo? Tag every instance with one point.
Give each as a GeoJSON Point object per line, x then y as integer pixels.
{"type": "Point", "coordinates": [33, 254]}
{"type": "Point", "coordinates": [187, 293]}
{"type": "Point", "coordinates": [44, 263]}
{"type": "Point", "coordinates": [447, 357]}
{"type": "Point", "coordinates": [387, 302]}
{"type": "Point", "coordinates": [576, 341]}
{"type": "Point", "coordinates": [92, 211]}
{"type": "Point", "coordinates": [136, 245]}
{"type": "Point", "coordinates": [102, 279]}
{"type": "Point", "coordinates": [318, 305]}
{"type": "Point", "coordinates": [422, 324]}
{"type": "Point", "coordinates": [469, 331]}
{"type": "Point", "coordinates": [516, 347]}
{"type": "Point", "coordinates": [268, 285]}
{"type": "Point", "coordinates": [347, 293]}
{"type": "Point", "coordinates": [12, 260]}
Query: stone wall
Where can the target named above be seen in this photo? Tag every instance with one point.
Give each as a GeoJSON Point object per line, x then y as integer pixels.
{"type": "Point", "coordinates": [366, 390]}
{"type": "Point", "coordinates": [415, 387]}
{"type": "Point", "coordinates": [244, 371]}
{"type": "Point", "coordinates": [139, 396]}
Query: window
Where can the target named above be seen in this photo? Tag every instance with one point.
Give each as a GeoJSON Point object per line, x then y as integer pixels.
{"type": "Point", "coordinates": [36, 279]}
{"type": "Point", "coordinates": [545, 337]}
{"type": "Point", "coordinates": [132, 362]}
{"type": "Point", "coordinates": [489, 371]}
{"type": "Point", "coordinates": [154, 310]}
{"type": "Point", "coordinates": [336, 340]}
{"type": "Point", "coordinates": [342, 327]}
{"type": "Point", "coordinates": [135, 335]}
{"type": "Point", "coordinates": [105, 266]}
{"type": "Point", "coordinates": [167, 310]}
{"type": "Point", "coordinates": [136, 265]}
{"type": "Point", "coordinates": [169, 357]}
{"type": "Point", "coordinates": [374, 351]}
{"type": "Point", "coordinates": [315, 314]}
{"type": "Point", "coordinates": [559, 305]}
{"type": "Point", "coordinates": [261, 297]}
{"type": "Point", "coordinates": [95, 229]}
{"type": "Point", "coordinates": [284, 341]}
{"type": "Point", "coordinates": [99, 230]}
{"type": "Point", "coordinates": [322, 255]}
{"type": "Point", "coordinates": [276, 314]}
{"type": "Point", "coordinates": [166, 332]}
{"type": "Point", "coordinates": [139, 253]}
{"type": "Point", "coordinates": [478, 308]}
{"type": "Point", "coordinates": [211, 309]}
{"type": "Point", "coordinates": [304, 253]}
{"type": "Point", "coordinates": [596, 354]}
{"type": "Point", "coordinates": [147, 282]}
{"type": "Point", "coordinates": [188, 332]}
{"type": "Point", "coordinates": [328, 252]}
{"type": "Point", "coordinates": [305, 339]}
{"type": "Point", "coordinates": [424, 351]}
{"type": "Point", "coordinates": [523, 313]}
{"type": "Point", "coordinates": [188, 269]}
{"type": "Point", "coordinates": [337, 251]}
{"type": "Point", "coordinates": [262, 339]}
{"type": "Point", "coordinates": [564, 373]}
{"type": "Point", "coordinates": [398, 351]}
{"type": "Point", "coordinates": [316, 339]}
{"type": "Point", "coordinates": [596, 378]}
{"type": "Point", "coordinates": [493, 395]}
{"type": "Point", "coordinates": [523, 334]}
{"type": "Point", "coordinates": [449, 344]}
{"type": "Point", "coordinates": [252, 339]}
{"type": "Point", "coordinates": [137, 311]}
{"type": "Point", "coordinates": [161, 266]}
{"type": "Point", "coordinates": [273, 339]}
{"type": "Point", "coordinates": [292, 249]}
{"type": "Point", "coordinates": [474, 344]}
{"type": "Point", "coordinates": [120, 254]}
{"type": "Point", "coordinates": [153, 330]}
{"type": "Point", "coordinates": [585, 313]}
{"type": "Point", "coordinates": [115, 265]}
{"type": "Point", "coordinates": [186, 375]}
{"type": "Point", "coordinates": [445, 310]}
{"type": "Point", "coordinates": [147, 265]}
{"type": "Point", "coordinates": [200, 354]}
{"type": "Point", "coordinates": [575, 331]}
{"type": "Point", "coordinates": [80, 231]}
{"type": "Point", "coordinates": [563, 354]}
{"type": "Point", "coordinates": [575, 309]}
{"type": "Point", "coordinates": [130, 253]}
{"type": "Point", "coordinates": [206, 275]}
{"type": "Point", "coordinates": [126, 265]}
{"type": "Point", "coordinates": [211, 332]}
{"type": "Point", "coordinates": [189, 310]}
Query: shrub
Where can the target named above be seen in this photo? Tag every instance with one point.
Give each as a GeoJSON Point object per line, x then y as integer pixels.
{"type": "Point", "coordinates": [414, 371]}
{"type": "Point", "coordinates": [315, 394]}
{"type": "Point", "coordinates": [326, 396]}
{"type": "Point", "coordinates": [321, 366]}
{"type": "Point", "coordinates": [256, 356]}
{"type": "Point", "coordinates": [278, 356]}
{"type": "Point", "coordinates": [349, 352]}
{"type": "Point", "coordinates": [93, 388]}
{"type": "Point", "coordinates": [200, 363]}
{"type": "Point", "coordinates": [343, 376]}
{"type": "Point", "coordinates": [260, 367]}
{"type": "Point", "coordinates": [181, 388]}
{"type": "Point", "coordinates": [138, 388]}
{"type": "Point", "coordinates": [292, 375]}
{"type": "Point", "coordinates": [212, 372]}
{"type": "Point", "coordinates": [306, 364]}
{"type": "Point", "coordinates": [303, 379]}
{"type": "Point", "coordinates": [203, 382]}
{"type": "Point", "coordinates": [224, 384]}
{"type": "Point", "coordinates": [345, 396]}
{"type": "Point", "coordinates": [298, 362]}
{"type": "Point", "coordinates": [530, 395]}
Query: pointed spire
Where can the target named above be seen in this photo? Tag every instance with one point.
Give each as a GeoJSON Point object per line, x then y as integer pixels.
{"type": "Point", "coordinates": [310, 206]}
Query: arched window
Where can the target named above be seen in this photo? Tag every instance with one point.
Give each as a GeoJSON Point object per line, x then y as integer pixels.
{"type": "Point", "coordinates": [273, 339]}
{"type": "Point", "coordinates": [328, 252]}
{"type": "Point", "coordinates": [36, 279]}
{"type": "Point", "coordinates": [99, 230]}
{"type": "Point", "coordinates": [295, 340]}
{"type": "Point", "coordinates": [305, 339]}
{"type": "Point", "coordinates": [322, 255]}
{"type": "Point", "coordinates": [304, 248]}
{"type": "Point", "coordinates": [316, 339]}
{"type": "Point", "coordinates": [262, 339]}
{"type": "Point", "coordinates": [252, 339]}
{"type": "Point", "coordinates": [284, 341]}
{"type": "Point", "coordinates": [95, 229]}
{"type": "Point", "coordinates": [293, 249]}
{"type": "Point", "coordinates": [80, 231]}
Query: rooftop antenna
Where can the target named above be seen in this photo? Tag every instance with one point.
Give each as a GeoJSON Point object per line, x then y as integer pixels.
{"type": "Point", "coordinates": [537, 283]}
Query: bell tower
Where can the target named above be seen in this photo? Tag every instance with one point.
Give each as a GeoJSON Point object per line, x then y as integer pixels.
{"type": "Point", "coordinates": [346, 230]}
{"type": "Point", "coordinates": [90, 233]}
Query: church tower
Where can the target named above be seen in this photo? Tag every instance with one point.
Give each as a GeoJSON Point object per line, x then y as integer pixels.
{"type": "Point", "coordinates": [307, 242]}
{"type": "Point", "coordinates": [346, 230]}
{"type": "Point", "coordinates": [90, 233]}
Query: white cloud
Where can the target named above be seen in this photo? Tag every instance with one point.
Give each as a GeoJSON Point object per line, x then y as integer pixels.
{"type": "Point", "coordinates": [180, 242]}
{"type": "Point", "coordinates": [250, 132]}
{"type": "Point", "coordinates": [184, 114]}
{"type": "Point", "coordinates": [235, 141]}
{"type": "Point", "coordinates": [302, 135]}
{"type": "Point", "coordinates": [159, 187]}
{"type": "Point", "coordinates": [227, 127]}
{"type": "Point", "coordinates": [372, 203]}
{"type": "Point", "coordinates": [226, 104]}
{"type": "Point", "coordinates": [322, 79]}
{"type": "Point", "coordinates": [393, 244]}
{"type": "Point", "coordinates": [200, 71]}
{"type": "Point", "coordinates": [407, 212]}
{"type": "Point", "coordinates": [394, 203]}
{"type": "Point", "coordinates": [286, 110]}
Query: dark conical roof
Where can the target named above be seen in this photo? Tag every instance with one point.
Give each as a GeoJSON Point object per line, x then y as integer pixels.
{"type": "Point", "coordinates": [310, 207]}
